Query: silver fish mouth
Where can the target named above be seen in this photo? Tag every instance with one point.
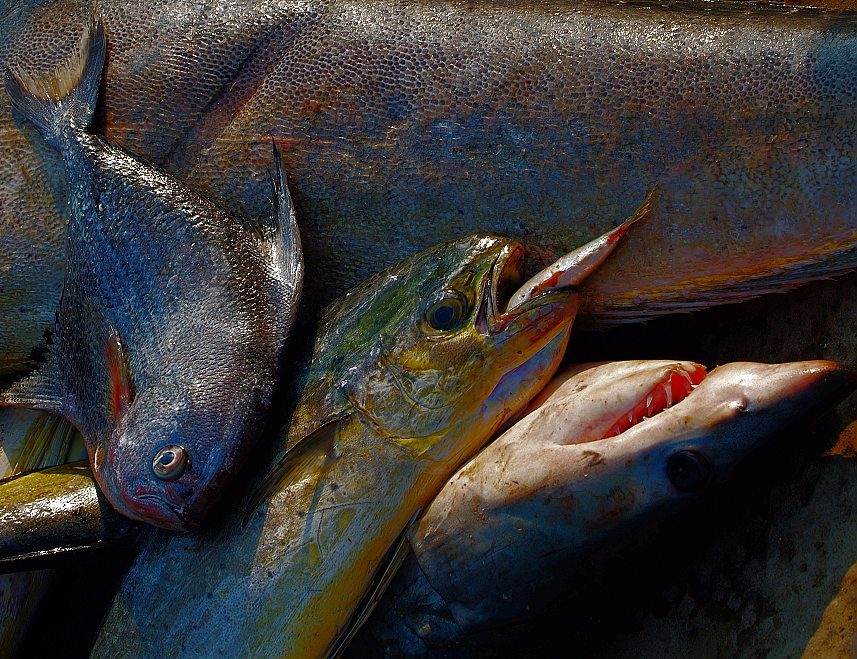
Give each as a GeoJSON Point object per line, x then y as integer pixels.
{"type": "Point", "coordinates": [163, 514]}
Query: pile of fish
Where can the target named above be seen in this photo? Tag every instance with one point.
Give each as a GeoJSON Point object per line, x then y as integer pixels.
{"type": "Point", "coordinates": [412, 471]}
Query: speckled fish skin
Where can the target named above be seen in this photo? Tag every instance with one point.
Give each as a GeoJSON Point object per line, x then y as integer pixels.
{"type": "Point", "coordinates": [405, 123]}
{"type": "Point", "coordinates": [173, 315]}
{"type": "Point", "coordinates": [550, 499]}
{"type": "Point", "coordinates": [394, 397]}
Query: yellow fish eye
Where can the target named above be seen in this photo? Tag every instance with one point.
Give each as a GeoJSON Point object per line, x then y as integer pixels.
{"type": "Point", "coordinates": [170, 462]}
{"type": "Point", "coordinates": [448, 312]}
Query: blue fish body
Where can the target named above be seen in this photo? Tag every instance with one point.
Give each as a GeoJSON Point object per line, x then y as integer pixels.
{"type": "Point", "coordinates": [173, 315]}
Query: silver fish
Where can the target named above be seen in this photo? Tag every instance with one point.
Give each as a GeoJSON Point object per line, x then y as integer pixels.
{"type": "Point", "coordinates": [173, 316]}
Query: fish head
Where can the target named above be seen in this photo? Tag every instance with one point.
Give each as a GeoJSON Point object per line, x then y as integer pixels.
{"type": "Point", "coordinates": [164, 462]}
{"type": "Point", "coordinates": [605, 450]}
{"type": "Point", "coordinates": [644, 437]}
{"type": "Point", "coordinates": [421, 351]}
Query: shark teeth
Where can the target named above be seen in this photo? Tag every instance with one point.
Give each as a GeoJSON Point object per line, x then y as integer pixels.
{"type": "Point", "coordinates": [674, 388]}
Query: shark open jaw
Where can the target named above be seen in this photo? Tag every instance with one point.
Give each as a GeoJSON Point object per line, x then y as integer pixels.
{"type": "Point", "coordinates": [676, 385]}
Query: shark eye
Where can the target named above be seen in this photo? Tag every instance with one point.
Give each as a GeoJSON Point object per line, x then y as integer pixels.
{"type": "Point", "coordinates": [448, 312]}
{"type": "Point", "coordinates": [688, 471]}
{"type": "Point", "coordinates": [170, 462]}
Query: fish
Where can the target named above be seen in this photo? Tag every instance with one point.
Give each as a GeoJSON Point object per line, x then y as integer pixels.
{"type": "Point", "coordinates": [79, 517]}
{"type": "Point", "coordinates": [32, 441]}
{"type": "Point", "coordinates": [173, 317]}
{"type": "Point", "coordinates": [547, 491]}
{"type": "Point", "coordinates": [404, 124]}
{"type": "Point", "coordinates": [410, 373]}
{"type": "Point", "coordinates": [605, 451]}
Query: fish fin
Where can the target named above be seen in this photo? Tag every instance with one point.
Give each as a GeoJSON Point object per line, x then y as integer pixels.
{"type": "Point", "coordinates": [42, 389]}
{"type": "Point", "coordinates": [315, 452]}
{"type": "Point", "coordinates": [47, 440]}
{"type": "Point", "coordinates": [643, 209]}
{"type": "Point", "coordinates": [65, 96]}
{"type": "Point", "coordinates": [110, 357]}
{"type": "Point", "coordinates": [388, 568]}
{"type": "Point", "coordinates": [596, 313]}
{"type": "Point", "coordinates": [281, 231]}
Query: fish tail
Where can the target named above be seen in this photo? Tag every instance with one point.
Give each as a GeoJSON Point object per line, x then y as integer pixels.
{"type": "Point", "coordinates": [65, 97]}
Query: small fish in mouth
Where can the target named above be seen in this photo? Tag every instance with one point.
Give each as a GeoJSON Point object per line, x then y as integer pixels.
{"type": "Point", "coordinates": [173, 316]}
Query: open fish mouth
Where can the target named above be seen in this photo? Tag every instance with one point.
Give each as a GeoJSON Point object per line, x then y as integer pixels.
{"type": "Point", "coordinates": [646, 402]}
{"type": "Point", "coordinates": [547, 299]}
{"type": "Point", "coordinates": [507, 275]}
{"type": "Point", "coordinates": [504, 277]}
{"type": "Point", "coordinates": [676, 385]}
{"type": "Point", "coordinates": [530, 324]}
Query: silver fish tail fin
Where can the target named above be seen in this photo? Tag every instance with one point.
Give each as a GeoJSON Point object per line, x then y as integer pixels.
{"type": "Point", "coordinates": [66, 96]}
{"type": "Point", "coordinates": [282, 238]}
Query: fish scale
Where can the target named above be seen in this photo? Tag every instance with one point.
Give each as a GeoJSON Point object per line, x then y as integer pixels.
{"type": "Point", "coordinates": [411, 372]}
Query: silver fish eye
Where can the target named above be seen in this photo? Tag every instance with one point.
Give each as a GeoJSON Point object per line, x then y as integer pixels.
{"type": "Point", "coordinates": [170, 462]}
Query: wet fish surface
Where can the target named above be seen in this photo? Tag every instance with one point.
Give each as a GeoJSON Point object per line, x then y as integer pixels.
{"type": "Point", "coordinates": [559, 493]}
{"type": "Point", "coordinates": [55, 512]}
{"type": "Point", "coordinates": [31, 441]}
{"type": "Point", "coordinates": [406, 123]}
{"type": "Point", "coordinates": [607, 451]}
{"type": "Point", "coordinates": [173, 314]}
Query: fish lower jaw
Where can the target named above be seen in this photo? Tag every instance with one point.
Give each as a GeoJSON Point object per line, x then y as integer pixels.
{"type": "Point", "coordinates": [676, 385]}
{"type": "Point", "coordinates": [148, 508]}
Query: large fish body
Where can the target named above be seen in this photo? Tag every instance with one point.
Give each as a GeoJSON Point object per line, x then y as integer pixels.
{"type": "Point", "coordinates": [173, 314]}
{"type": "Point", "coordinates": [405, 123]}
{"type": "Point", "coordinates": [607, 452]}
{"type": "Point", "coordinates": [411, 373]}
